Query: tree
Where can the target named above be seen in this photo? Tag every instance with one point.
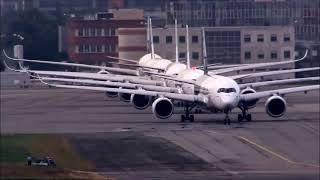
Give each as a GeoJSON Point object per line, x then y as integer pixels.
{"type": "Point", "coordinates": [39, 32]}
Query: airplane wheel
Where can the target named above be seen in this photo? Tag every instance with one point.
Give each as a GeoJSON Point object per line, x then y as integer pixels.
{"type": "Point", "coordinates": [240, 117]}
{"type": "Point", "coordinates": [249, 117]}
{"type": "Point", "coordinates": [183, 118]}
{"type": "Point", "coordinates": [191, 118]}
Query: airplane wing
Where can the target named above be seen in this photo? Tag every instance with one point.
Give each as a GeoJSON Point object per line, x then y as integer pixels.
{"type": "Point", "coordinates": [259, 95]}
{"type": "Point", "coordinates": [175, 96]}
{"type": "Point", "coordinates": [254, 66]}
{"type": "Point", "coordinates": [176, 79]}
{"type": "Point", "coordinates": [270, 73]}
{"type": "Point", "coordinates": [105, 77]}
{"type": "Point", "coordinates": [111, 69]}
{"type": "Point", "coordinates": [136, 66]}
{"type": "Point", "coordinates": [278, 82]}
{"type": "Point", "coordinates": [115, 84]}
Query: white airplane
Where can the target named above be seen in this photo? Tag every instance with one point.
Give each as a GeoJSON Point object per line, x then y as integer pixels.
{"type": "Point", "coordinates": [216, 93]}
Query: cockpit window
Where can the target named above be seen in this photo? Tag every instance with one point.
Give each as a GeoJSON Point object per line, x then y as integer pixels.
{"type": "Point", "coordinates": [226, 90]}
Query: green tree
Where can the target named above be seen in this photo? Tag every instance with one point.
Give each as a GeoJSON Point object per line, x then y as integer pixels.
{"type": "Point", "coordinates": [39, 32]}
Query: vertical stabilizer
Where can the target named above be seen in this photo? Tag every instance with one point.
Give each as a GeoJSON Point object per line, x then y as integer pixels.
{"type": "Point", "coordinates": [188, 48]}
{"type": "Point", "coordinates": [204, 49]}
{"type": "Point", "coordinates": [148, 35]}
{"type": "Point", "coordinates": [151, 39]}
{"type": "Point", "coordinates": [176, 36]}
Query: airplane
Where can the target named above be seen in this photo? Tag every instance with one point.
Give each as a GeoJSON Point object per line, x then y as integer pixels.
{"type": "Point", "coordinates": [218, 93]}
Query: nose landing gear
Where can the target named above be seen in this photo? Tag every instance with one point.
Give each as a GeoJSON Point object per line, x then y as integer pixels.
{"type": "Point", "coordinates": [227, 119]}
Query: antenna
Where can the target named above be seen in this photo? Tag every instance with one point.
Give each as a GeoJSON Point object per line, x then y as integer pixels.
{"type": "Point", "coordinates": [204, 49]}
{"type": "Point", "coordinates": [148, 35]}
{"type": "Point", "coordinates": [176, 36]}
{"type": "Point", "coordinates": [188, 52]}
{"type": "Point", "coordinates": [151, 39]}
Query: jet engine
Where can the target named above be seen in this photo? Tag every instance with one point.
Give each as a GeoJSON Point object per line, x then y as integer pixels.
{"type": "Point", "coordinates": [140, 101]}
{"type": "Point", "coordinates": [249, 104]}
{"type": "Point", "coordinates": [276, 106]}
{"type": "Point", "coordinates": [162, 108]}
{"type": "Point", "coordinates": [112, 94]}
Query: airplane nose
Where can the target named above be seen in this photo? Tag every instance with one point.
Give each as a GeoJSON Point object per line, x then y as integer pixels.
{"type": "Point", "coordinates": [228, 102]}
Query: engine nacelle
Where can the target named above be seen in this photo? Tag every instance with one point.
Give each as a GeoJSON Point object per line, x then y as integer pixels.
{"type": "Point", "coordinates": [162, 108]}
{"type": "Point", "coordinates": [112, 94]}
{"type": "Point", "coordinates": [276, 106]}
{"type": "Point", "coordinates": [140, 101]}
{"type": "Point", "coordinates": [249, 104]}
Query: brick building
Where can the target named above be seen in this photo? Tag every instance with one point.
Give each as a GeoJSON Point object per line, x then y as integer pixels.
{"type": "Point", "coordinates": [93, 38]}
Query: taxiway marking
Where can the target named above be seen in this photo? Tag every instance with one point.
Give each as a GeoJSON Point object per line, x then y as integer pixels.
{"type": "Point", "coordinates": [268, 150]}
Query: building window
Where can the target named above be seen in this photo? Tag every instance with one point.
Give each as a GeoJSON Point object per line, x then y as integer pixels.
{"type": "Point", "coordinates": [195, 39]}
{"type": "Point", "coordinates": [80, 32]}
{"type": "Point", "coordinates": [156, 39]}
{"type": "Point", "coordinates": [286, 38]}
{"type": "Point", "coordinates": [273, 38]}
{"type": "Point", "coordinates": [169, 39]}
{"type": "Point", "coordinates": [106, 32]}
{"type": "Point", "coordinates": [99, 48]}
{"type": "Point", "coordinates": [260, 56]}
{"type": "Point", "coordinates": [287, 54]}
{"type": "Point", "coordinates": [93, 48]}
{"type": "Point", "coordinates": [247, 38]}
{"type": "Point", "coordinates": [86, 48]}
{"type": "Point", "coordinates": [112, 32]}
{"type": "Point", "coordinates": [92, 32]}
{"type": "Point", "coordinates": [182, 39]}
{"type": "Point", "coordinates": [182, 55]}
{"type": "Point", "coordinates": [80, 48]}
{"type": "Point", "coordinates": [112, 48]}
{"type": "Point", "coordinates": [260, 38]}
{"type": "Point", "coordinates": [107, 48]}
{"type": "Point", "coordinates": [247, 55]}
{"type": "Point", "coordinates": [195, 55]}
{"type": "Point", "coordinates": [274, 55]}
{"type": "Point", "coordinates": [86, 32]}
{"type": "Point", "coordinates": [99, 32]}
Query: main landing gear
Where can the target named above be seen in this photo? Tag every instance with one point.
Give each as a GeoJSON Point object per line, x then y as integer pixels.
{"type": "Point", "coordinates": [187, 116]}
{"type": "Point", "coordinates": [244, 115]}
{"type": "Point", "coordinates": [227, 119]}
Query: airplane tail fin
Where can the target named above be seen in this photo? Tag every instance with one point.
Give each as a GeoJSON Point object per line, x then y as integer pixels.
{"type": "Point", "coordinates": [148, 35]}
{"type": "Point", "coordinates": [151, 39]}
{"type": "Point", "coordinates": [204, 48]}
{"type": "Point", "coordinates": [176, 39]}
{"type": "Point", "coordinates": [188, 48]}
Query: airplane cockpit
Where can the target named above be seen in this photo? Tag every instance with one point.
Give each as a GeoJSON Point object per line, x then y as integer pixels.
{"type": "Point", "coordinates": [226, 90]}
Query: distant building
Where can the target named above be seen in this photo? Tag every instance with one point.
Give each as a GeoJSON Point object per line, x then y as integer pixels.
{"type": "Point", "coordinates": [304, 15]}
{"type": "Point", "coordinates": [93, 38]}
{"type": "Point", "coordinates": [15, 5]}
{"type": "Point", "coordinates": [164, 44]}
{"type": "Point", "coordinates": [132, 43]}
{"type": "Point", "coordinates": [227, 45]}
